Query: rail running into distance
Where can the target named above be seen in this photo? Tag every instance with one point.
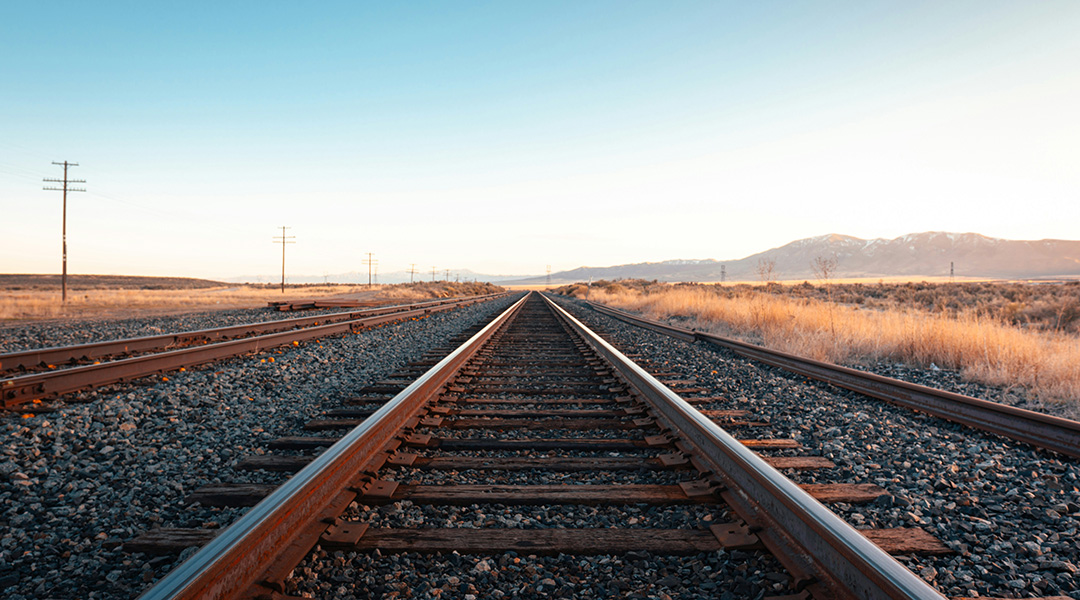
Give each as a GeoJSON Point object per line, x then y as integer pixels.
{"type": "Point", "coordinates": [1038, 429]}
{"type": "Point", "coordinates": [161, 353]}
{"type": "Point", "coordinates": [537, 341]}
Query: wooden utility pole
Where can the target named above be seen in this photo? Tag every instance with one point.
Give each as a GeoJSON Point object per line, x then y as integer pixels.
{"type": "Point", "coordinates": [370, 262]}
{"type": "Point", "coordinates": [63, 227]}
{"type": "Point", "coordinates": [432, 274]}
{"type": "Point", "coordinates": [283, 239]}
{"type": "Point", "coordinates": [412, 272]}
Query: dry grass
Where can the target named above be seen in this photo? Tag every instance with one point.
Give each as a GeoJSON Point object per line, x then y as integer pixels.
{"type": "Point", "coordinates": [46, 304]}
{"type": "Point", "coordinates": [983, 349]}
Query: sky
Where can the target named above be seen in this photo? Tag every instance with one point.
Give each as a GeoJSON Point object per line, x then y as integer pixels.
{"type": "Point", "coordinates": [503, 137]}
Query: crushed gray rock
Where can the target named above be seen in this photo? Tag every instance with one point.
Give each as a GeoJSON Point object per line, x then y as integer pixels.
{"type": "Point", "coordinates": [76, 483]}
{"type": "Point", "coordinates": [994, 501]}
{"type": "Point", "coordinates": [19, 336]}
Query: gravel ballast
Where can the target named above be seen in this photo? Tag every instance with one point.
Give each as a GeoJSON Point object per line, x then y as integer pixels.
{"type": "Point", "coordinates": [110, 464]}
{"type": "Point", "coordinates": [1010, 512]}
{"type": "Point", "coordinates": [17, 337]}
{"type": "Point", "coordinates": [350, 574]}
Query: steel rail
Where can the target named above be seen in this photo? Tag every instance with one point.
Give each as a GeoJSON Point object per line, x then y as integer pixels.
{"type": "Point", "coordinates": [12, 361]}
{"type": "Point", "coordinates": [1038, 429]}
{"type": "Point", "coordinates": [797, 527]}
{"type": "Point", "coordinates": [20, 390]}
{"type": "Point", "coordinates": [233, 562]}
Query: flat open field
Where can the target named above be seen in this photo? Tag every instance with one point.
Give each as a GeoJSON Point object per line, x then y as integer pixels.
{"type": "Point", "coordinates": [36, 297]}
{"type": "Point", "coordinates": [1008, 335]}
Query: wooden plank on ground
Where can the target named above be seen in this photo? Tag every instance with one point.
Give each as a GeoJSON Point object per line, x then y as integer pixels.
{"type": "Point", "coordinates": [852, 493]}
{"type": "Point", "coordinates": [274, 462]}
{"type": "Point", "coordinates": [771, 444]}
{"type": "Point", "coordinates": [303, 443]}
{"type": "Point", "coordinates": [538, 444]}
{"type": "Point", "coordinates": [230, 494]}
{"type": "Point", "coordinates": [582, 542]}
{"type": "Point", "coordinates": [535, 425]}
{"type": "Point", "coordinates": [597, 444]}
{"type": "Point", "coordinates": [804, 463]}
{"type": "Point", "coordinates": [544, 463]}
{"type": "Point", "coordinates": [288, 464]}
{"type": "Point", "coordinates": [171, 540]}
{"type": "Point", "coordinates": [906, 540]}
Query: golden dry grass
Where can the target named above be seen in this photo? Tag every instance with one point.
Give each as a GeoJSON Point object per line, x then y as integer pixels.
{"type": "Point", "coordinates": [46, 304]}
{"type": "Point", "coordinates": [982, 349]}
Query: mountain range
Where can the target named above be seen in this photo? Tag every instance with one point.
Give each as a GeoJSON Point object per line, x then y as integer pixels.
{"type": "Point", "coordinates": [929, 254]}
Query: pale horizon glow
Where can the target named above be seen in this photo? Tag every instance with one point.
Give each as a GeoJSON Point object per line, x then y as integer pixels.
{"type": "Point", "coordinates": [504, 137]}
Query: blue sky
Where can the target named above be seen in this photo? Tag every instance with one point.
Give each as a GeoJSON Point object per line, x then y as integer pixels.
{"type": "Point", "coordinates": [503, 137]}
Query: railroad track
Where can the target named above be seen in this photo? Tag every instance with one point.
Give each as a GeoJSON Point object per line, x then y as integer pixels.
{"type": "Point", "coordinates": [536, 392]}
{"type": "Point", "coordinates": [1038, 429]}
{"type": "Point", "coordinates": [50, 372]}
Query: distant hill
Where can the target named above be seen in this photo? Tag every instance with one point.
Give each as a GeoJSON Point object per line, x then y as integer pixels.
{"type": "Point", "coordinates": [919, 255]}
{"type": "Point", "coordinates": [22, 281]}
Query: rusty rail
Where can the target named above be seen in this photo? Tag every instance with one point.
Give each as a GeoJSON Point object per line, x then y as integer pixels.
{"type": "Point", "coordinates": [807, 537]}
{"type": "Point", "coordinates": [238, 558]}
{"type": "Point", "coordinates": [14, 361]}
{"type": "Point", "coordinates": [1038, 429]}
{"type": "Point", "coordinates": [26, 388]}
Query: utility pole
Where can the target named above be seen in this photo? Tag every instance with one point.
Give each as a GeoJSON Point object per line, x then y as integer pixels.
{"type": "Point", "coordinates": [63, 227]}
{"type": "Point", "coordinates": [433, 274]}
{"type": "Point", "coordinates": [447, 276]}
{"type": "Point", "coordinates": [412, 272]}
{"type": "Point", "coordinates": [370, 262]}
{"type": "Point", "coordinates": [952, 271]}
{"type": "Point", "coordinates": [723, 273]}
{"type": "Point", "coordinates": [283, 240]}
{"type": "Point", "coordinates": [549, 274]}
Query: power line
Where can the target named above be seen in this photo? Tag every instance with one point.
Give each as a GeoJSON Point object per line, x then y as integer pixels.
{"type": "Point", "coordinates": [370, 262]}
{"type": "Point", "coordinates": [63, 229]}
{"type": "Point", "coordinates": [283, 240]}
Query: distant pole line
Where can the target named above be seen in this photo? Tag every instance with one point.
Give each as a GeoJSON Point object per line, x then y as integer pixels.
{"type": "Point", "coordinates": [283, 240]}
{"type": "Point", "coordinates": [63, 228]}
{"type": "Point", "coordinates": [412, 272]}
{"type": "Point", "coordinates": [723, 273]}
{"type": "Point", "coordinates": [433, 274]}
{"type": "Point", "coordinates": [447, 275]}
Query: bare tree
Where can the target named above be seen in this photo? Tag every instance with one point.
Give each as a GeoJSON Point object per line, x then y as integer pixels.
{"type": "Point", "coordinates": [766, 270]}
{"type": "Point", "coordinates": [825, 269]}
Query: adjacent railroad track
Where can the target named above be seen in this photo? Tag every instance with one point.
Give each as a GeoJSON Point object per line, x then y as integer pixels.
{"type": "Point", "coordinates": [1038, 429]}
{"type": "Point", "coordinates": [536, 391]}
{"type": "Point", "coordinates": [51, 372]}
